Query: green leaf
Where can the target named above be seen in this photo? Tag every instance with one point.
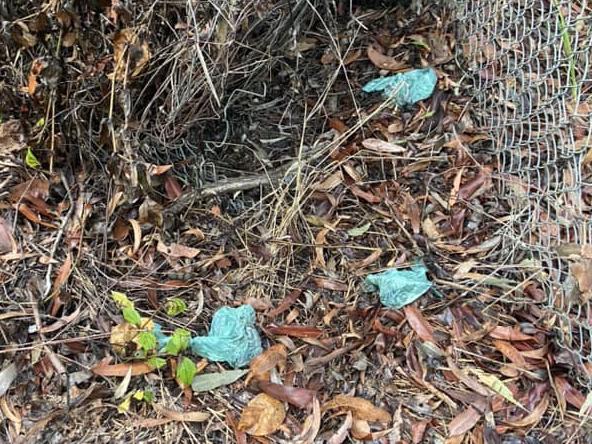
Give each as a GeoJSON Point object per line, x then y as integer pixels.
{"type": "Point", "coordinates": [186, 370]}
{"type": "Point", "coordinates": [31, 160]}
{"type": "Point", "coordinates": [359, 231]}
{"type": "Point", "coordinates": [178, 342]}
{"type": "Point", "coordinates": [131, 315]}
{"type": "Point", "coordinates": [175, 306]}
{"type": "Point", "coordinates": [40, 123]}
{"type": "Point", "coordinates": [148, 396]}
{"type": "Point", "coordinates": [156, 362]}
{"type": "Point", "coordinates": [139, 395]}
{"type": "Point", "coordinates": [210, 381]}
{"type": "Point", "coordinates": [497, 385]}
{"type": "Point", "coordinates": [121, 300]}
{"type": "Point", "coordinates": [147, 340]}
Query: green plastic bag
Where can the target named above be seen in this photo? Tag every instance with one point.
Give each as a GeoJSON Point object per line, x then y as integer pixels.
{"type": "Point", "coordinates": [232, 338]}
{"type": "Point", "coordinates": [405, 88]}
{"type": "Point", "coordinates": [398, 288]}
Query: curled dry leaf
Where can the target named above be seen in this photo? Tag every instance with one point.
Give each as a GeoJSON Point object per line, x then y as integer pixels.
{"type": "Point", "coordinates": [381, 146]}
{"type": "Point", "coordinates": [569, 393]}
{"type": "Point", "coordinates": [130, 55]}
{"type": "Point", "coordinates": [384, 62]}
{"type": "Point", "coordinates": [37, 68]}
{"type": "Point", "coordinates": [533, 418]}
{"type": "Point", "coordinates": [511, 352]}
{"type": "Point", "coordinates": [274, 356]}
{"type": "Point", "coordinates": [12, 136]}
{"type": "Point", "coordinates": [298, 397]}
{"type": "Point", "coordinates": [582, 271]}
{"type": "Point", "coordinates": [262, 416]}
{"type": "Point", "coordinates": [360, 408]}
{"type": "Point", "coordinates": [7, 242]}
{"type": "Point", "coordinates": [463, 422]}
{"type": "Point", "coordinates": [311, 426]}
{"type": "Point", "coordinates": [341, 434]}
{"type": "Point", "coordinates": [177, 250]}
{"type": "Point", "coordinates": [181, 416]}
{"type": "Point", "coordinates": [509, 334]}
{"type": "Point", "coordinates": [361, 430]}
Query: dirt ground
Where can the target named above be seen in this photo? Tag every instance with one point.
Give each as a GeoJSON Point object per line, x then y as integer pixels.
{"type": "Point", "coordinates": [199, 155]}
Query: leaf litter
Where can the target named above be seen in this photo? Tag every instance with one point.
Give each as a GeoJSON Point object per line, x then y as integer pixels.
{"type": "Point", "coordinates": [450, 356]}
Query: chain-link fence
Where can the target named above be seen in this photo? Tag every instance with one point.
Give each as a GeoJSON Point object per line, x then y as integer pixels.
{"type": "Point", "coordinates": [530, 61]}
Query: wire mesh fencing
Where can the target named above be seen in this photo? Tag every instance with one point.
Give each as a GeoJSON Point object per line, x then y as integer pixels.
{"type": "Point", "coordinates": [530, 63]}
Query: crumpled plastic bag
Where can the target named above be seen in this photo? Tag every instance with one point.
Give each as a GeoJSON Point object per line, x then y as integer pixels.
{"type": "Point", "coordinates": [398, 288]}
{"type": "Point", "coordinates": [406, 88]}
{"type": "Point", "coordinates": [232, 338]}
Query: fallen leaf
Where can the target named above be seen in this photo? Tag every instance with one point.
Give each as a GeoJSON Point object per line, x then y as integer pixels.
{"type": "Point", "coordinates": [311, 426]}
{"type": "Point", "coordinates": [138, 368]}
{"type": "Point", "coordinates": [497, 385]}
{"type": "Point", "coordinates": [419, 324]}
{"type": "Point", "coordinates": [509, 334]}
{"type": "Point", "coordinates": [329, 284]}
{"type": "Point", "coordinates": [7, 242]}
{"type": "Point", "coordinates": [511, 352]}
{"type": "Point", "coordinates": [582, 271]}
{"type": "Point", "coordinates": [359, 231]}
{"type": "Point", "coordinates": [463, 422]}
{"type": "Point", "coordinates": [62, 322]}
{"type": "Point", "coordinates": [365, 195]}
{"type": "Point", "coordinates": [360, 408]}
{"type": "Point", "coordinates": [297, 331]}
{"type": "Point", "coordinates": [341, 434]}
{"type": "Point", "coordinates": [37, 68]}
{"type": "Point", "coordinates": [177, 250]}
{"type": "Point", "coordinates": [286, 303]}
{"type": "Point", "coordinates": [299, 397]}
{"type": "Point", "coordinates": [381, 146]}
{"type": "Point", "coordinates": [130, 55]}
{"type": "Point", "coordinates": [181, 416]}
{"type": "Point", "coordinates": [173, 188]}
{"type": "Point", "coordinates": [572, 395]}
{"type": "Point", "coordinates": [121, 389]}
{"type": "Point", "coordinates": [418, 431]}
{"type": "Point", "coordinates": [534, 417]}
{"type": "Point", "coordinates": [62, 276]}
{"type": "Point", "coordinates": [7, 376]}
{"type": "Point", "coordinates": [209, 381]}
{"type": "Point", "coordinates": [262, 416]}
{"type": "Point", "coordinates": [361, 430]}
{"type": "Point", "coordinates": [274, 356]}
{"type": "Point", "coordinates": [384, 62]}
{"type": "Point", "coordinates": [478, 185]}
{"type": "Point", "coordinates": [12, 136]}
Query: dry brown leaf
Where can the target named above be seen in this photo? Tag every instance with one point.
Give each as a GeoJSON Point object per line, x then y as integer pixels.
{"type": "Point", "coordinates": [365, 195]}
{"type": "Point", "coordinates": [12, 136]}
{"type": "Point", "coordinates": [419, 324]}
{"type": "Point", "coordinates": [37, 68]}
{"type": "Point", "coordinates": [262, 416]}
{"type": "Point", "coordinates": [533, 418]}
{"type": "Point", "coordinates": [181, 416]}
{"type": "Point", "coordinates": [26, 211]}
{"type": "Point", "coordinates": [121, 335]}
{"type": "Point", "coordinates": [62, 276]}
{"type": "Point", "coordinates": [104, 369]}
{"type": "Point", "coordinates": [297, 396]}
{"type": "Point", "coordinates": [7, 242]}
{"type": "Point", "coordinates": [130, 55]}
{"type": "Point", "coordinates": [430, 229]}
{"type": "Point", "coordinates": [568, 393]}
{"type": "Point", "coordinates": [177, 250]}
{"type": "Point", "coordinates": [463, 422]}
{"type": "Point", "coordinates": [329, 284]}
{"type": "Point", "coordinates": [383, 147]}
{"type": "Point", "coordinates": [297, 331]}
{"type": "Point", "coordinates": [274, 356]}
{"type": "Point", "coordinates": [63, 321]}
{"type": "Point", "coordinates": [478, 185]}
{"type": "Point", "coordinates": [341, 434]}
{"type": "Point", "coordinates": [384, 62]}
{"type": "Point", "coordinates": [311, 426]}
{"type": "Point", "coordinates": [413, 212]}
{"type": "Point", "coordinates": [418, 431]}
{"type": "Point", "coordinates": [320, 240]}
{"type": "Point", "coordinates": [509, 334]}
{"type": "Point", "coordinates": [173, 188]}
{"type": "Point", "coordinates": [361, 430]}
{"type": "Point", "coordinates": [511, 352]}
{"type": "Point", "coordinates": [582, 271]}
{"type": "Point", "coordinates": [360, 408]}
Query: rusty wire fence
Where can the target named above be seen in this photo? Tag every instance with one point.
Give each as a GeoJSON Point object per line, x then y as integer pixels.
{"type": "Point", "coordinates": [530, 64]}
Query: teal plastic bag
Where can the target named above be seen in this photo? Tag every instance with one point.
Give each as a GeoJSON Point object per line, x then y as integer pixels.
{"type": "Point", "coordinates": [232, 338]}
{"type": "Point", "coordinates": [398, 288]}
{"type": "Point", "coordinates": [405, 88]}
